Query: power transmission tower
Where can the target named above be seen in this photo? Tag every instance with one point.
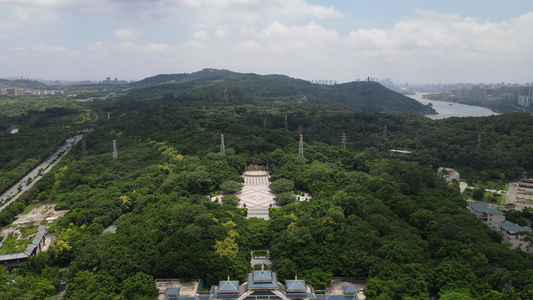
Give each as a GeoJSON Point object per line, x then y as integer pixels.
{"type": "Point", "coordinates": [225, 94]}
{"type": "Point", "coordinates": [385, 131]}
{"type": "Point", "coordinates": [83, 148]}
{"type": "Point", "coordinates": [343, 141]}
{"type": "Point", "coordinates": [115, 153]}
{"type": "Point", "coordinates": [222, 146]}
{"type": "Point", "coordinates": [47, 143]}
{"type": "Point", "coordinates": [478, 142]}
{"type": "Point", "coordinates": [301, 146]}
{"type": "Point", "coordinates": [286, 123]}
{"type": "Point", "coordinates": [264, 123]}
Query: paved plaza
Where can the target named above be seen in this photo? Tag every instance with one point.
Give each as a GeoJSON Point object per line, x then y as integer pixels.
{"type": "Point", "coordinates": [256, 195]}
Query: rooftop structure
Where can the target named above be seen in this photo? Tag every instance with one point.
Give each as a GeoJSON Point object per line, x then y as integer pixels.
{"type": "Point", "coordinates": [511, 235]}
{"type": "Point", "coordinates": [261, 285]}
{"type": "Point", "coordinates": [14, 260]}
{"type": "Point", "coordinates": [487, 213]}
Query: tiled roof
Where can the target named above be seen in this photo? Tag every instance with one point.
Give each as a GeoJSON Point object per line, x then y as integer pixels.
{"type": "Point", "coordinates": [262, 275]}
{"type": "Point", "coordinates": [295, 285]}
{"type": "Point", "coordinates": [485, 208]}
{"type": "Point", "coordinates": [228, 286]}
{"type": "Point", "coordinates": [262, 279]}
{"type": "Point", "coordinates": [350, 289]}
{"type": "Point", "coordinates": [342, 297]}
{"type": "Point", "coordinates": [172, 291]}
{"type": "Point", "coordinates": [513, 228]}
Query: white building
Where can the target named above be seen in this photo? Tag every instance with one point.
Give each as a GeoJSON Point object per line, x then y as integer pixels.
{"type": "Point", "coordinates": [511, 235]}
{"type": "Point", "coordinates": [487, 213]}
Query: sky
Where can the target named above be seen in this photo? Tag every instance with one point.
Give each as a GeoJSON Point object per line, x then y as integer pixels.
{"type": "Point", "coordinates": [414, 41]}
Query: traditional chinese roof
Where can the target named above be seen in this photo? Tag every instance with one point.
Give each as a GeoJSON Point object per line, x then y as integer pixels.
{"type": "Point", "coordinates": [172, 291]}
{"type": "Point", "coordinates": [350, 289]}
{"type": "Point", "coordinates": [262, 279]}
{"type": "Point", "coordinates": [294, 286]}
{"type": "Point", "coordinates": [228, 286]}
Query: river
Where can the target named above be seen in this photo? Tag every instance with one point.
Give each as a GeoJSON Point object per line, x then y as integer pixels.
{"type": "Point", "coordinates": [448, 109]}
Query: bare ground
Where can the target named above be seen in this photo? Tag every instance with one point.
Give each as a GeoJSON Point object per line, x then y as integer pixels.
{"type": "Point", "coordinates": [40, 213]}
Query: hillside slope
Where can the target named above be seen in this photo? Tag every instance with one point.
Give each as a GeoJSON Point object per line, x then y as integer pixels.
{"type": "Point", "coordinates": [283, 90]}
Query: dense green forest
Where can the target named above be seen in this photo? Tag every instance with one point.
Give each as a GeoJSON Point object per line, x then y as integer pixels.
{"type": "Point", "coordinates": [210, 84]}
{"type": "Point", "coordinates": [389, 219]}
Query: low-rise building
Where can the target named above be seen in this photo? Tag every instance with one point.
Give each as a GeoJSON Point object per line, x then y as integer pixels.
{"type": "Point", "coordinates": [14, 260]}
{"type": "Point", "coordinates": [449, 174]}
{"type": "Point", "coordinates": [511, 234]}
{"type": "Point", "coordinates": [261, 284]}
{"type": "Point", "coordinates": [487, 213]}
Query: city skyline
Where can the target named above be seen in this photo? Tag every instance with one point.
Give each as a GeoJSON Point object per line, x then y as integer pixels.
{"type": "Point", "coordinates": [409, 41]}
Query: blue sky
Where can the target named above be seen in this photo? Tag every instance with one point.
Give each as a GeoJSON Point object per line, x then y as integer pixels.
{"type": "Point", "coordinates": [413, 41]}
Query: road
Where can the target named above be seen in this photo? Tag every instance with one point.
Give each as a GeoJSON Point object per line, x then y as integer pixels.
{"type": "Point", "coordinates": [46, 166]}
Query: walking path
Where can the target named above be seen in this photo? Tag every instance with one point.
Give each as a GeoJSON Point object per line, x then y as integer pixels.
{"type": "Point", "coordinates": [256, 195]}
{"type": "Point", "coordinates": [260, 260]}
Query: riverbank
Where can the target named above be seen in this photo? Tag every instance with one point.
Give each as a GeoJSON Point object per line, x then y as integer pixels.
{"type": "Point", "coordinates": [496, 106]}
{"type": "Point", "coordinates": [451, 109]}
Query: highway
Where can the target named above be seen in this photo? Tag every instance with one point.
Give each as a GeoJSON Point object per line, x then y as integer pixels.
{"type": "Point", "coordinates": [46, 166]}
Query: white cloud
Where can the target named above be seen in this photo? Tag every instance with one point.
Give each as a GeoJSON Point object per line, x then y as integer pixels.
{"type": "Point", "coordinates": [221, 34]}
{"type": "Point", "coordinates": [126, 33]}
{"type": "Point", "coordinates": [200, 35]}
{"type": "Point", "coordinates": [41, 3]}
{"type": "Point", "coordinates": [158, 48]}
{"type": "Point", "coordinates": [311, 40]}
{"type": "Point", "coordinates": [446, 37]}
{"type": "Point", "coordinates": [260, 7]}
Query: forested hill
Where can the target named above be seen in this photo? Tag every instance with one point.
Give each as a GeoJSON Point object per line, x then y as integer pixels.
{"type": "Point", "coordinates": [223, 85]}
{"type": "Point", "coordinates": [26, 84]}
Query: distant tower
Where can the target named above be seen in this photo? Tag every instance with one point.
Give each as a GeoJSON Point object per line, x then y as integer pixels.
{"type": "Point", "coordinates": [222, 146]}
{"type": "Point", "coordinates": [385, 131]}
{"type": "Point", "coordinates": [478, 142]}
{"type": "Point", "coordinates": [115, 153]}
{"type": "Point", "coordinates": [47, 143]}
{"type": "Point", "coordinates": [83, 148]}
{"type": "Point", "coordinates": [286, 123]}
{"type": "Point", "coordinates": [301, 146]}
{"type": "Point", "coordinates": [343, 141]}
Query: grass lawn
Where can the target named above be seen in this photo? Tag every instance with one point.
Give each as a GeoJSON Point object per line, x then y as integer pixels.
{"type": "Point", "coordinates": [258, 267]}
{"type": "Point", "coordinates": [28, 209]}
{"type": "Point", "coordinates": [260, 253]}
{"type": "Point", "coordinates": [13, 245]}
{"type": "Point", "coordinates": [27, 231]}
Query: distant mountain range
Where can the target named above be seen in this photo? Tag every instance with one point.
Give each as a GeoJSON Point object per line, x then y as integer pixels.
{"type": "Point", "coordinates": [223, 85]}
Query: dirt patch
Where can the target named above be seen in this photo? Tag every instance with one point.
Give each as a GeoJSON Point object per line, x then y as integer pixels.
{"type": "Point", "coordinates": [40, 213]}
